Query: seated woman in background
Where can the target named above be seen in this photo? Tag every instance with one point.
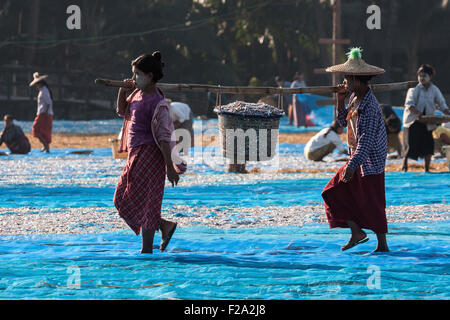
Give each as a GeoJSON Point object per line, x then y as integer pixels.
{"type": "Point", "coordinates": [183, 118]}
{"type": "Point", "coordinates": [441, 136]}
{"type": "Point", "coordinates": [442, 133]}
{"type": "Point", "coordinates": [14, 138]}
{"type": "Point", "coordinates": [393, 128]}
{"type": "Point", "coordinates": [324, 143]}
{"type": "Point", "coordinates": [420, 101]}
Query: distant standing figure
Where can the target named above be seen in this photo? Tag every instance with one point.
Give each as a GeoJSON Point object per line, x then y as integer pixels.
{"type": "Point", "coordinates": [393, 128]}
{"type": "Point", "coordinates": [324, 143]}
{"type": "Point", "coordinates": [42, 126]}
{"type": "Point", "coordinates": [281, 83]}
{"type": "Point", "coordinates": [182, 117]}
{"type": "Point", "coordinates": [14, 138]}
{"type": "Point", "coordinates": [420, 101]}
{"type": "Point", "coordinates": [298, 110]}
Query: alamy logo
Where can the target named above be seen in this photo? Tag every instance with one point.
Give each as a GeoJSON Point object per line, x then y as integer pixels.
{"type": "Point", "coordinates": [374, 20]}
{"type": "Point", "coordinates": [374, 280]}
{"type": "Point", "coordinates": [74, 20]}
{"type": "Point", "coordinates": [74, 280]}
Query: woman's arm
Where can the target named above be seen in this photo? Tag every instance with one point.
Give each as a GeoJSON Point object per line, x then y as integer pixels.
{"type": "Point", "coordinates": [47, 100]}
{"type": "Point", "coordinates": [121, 104]}
{"type": "Point", "coordinates": [172, 174]}
{"type": "Point", "coordinates": [340, 105]}
{"type": "Point", "coordinates": [441, 102]}
{"type": "Point", "coordinates": [164, 136]}
{"type": "Point", "coordinates": [411, 100]}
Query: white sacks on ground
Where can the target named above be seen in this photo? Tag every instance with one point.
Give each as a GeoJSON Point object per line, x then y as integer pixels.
{"type": "Point", "coordinates": [249, 131]}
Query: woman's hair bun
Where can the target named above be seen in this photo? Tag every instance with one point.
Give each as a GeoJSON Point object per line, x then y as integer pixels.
{"type": "Point", "coordinates": [157, 55]}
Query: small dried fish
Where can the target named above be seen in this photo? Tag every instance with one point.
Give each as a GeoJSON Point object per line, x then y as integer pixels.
{"type": "Point", "coordinates": [250, 109]}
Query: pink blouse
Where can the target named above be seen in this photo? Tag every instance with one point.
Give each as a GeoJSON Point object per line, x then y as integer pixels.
{"type": "Point", "coordinates": [141, 109]}
{"type": "Point", "coordinates": [160, 126]}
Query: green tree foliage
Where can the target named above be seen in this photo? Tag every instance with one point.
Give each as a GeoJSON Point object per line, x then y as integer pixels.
{"type": "Point", "coordinates": [223, 41]}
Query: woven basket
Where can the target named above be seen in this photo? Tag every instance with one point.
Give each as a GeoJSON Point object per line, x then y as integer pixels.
{"type": "Point", "coordinates": [446, 150]}
{"type": "Point", "coordinates": [115, 147]}
{"type": "Point", "coordinates": [253, 144]}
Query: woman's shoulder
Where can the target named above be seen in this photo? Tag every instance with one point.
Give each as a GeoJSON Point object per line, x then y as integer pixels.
{"type": "Point", "coordinates": [322, 132]}
{"type": "Point", "coordinates": [435, 88]}
{"type": "Point", "coordinates": [134, 95]}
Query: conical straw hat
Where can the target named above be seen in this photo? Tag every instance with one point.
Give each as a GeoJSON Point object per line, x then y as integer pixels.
{"type": "Point", "coordinates": [355, 65]}
{"type": "Point", "coordinates": [37, 78]}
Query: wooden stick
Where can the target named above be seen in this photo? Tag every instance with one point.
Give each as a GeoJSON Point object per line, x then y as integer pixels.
{"type": "Point", "coordinates": [112, 83]}
{"type": "Point", "coordinates": [257, 90]}
{"type": "Point", "coordinates": [434, 119]}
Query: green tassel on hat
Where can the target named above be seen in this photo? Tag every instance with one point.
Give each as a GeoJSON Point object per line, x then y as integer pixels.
{"type": "Point", "coordinates": [354, 53]}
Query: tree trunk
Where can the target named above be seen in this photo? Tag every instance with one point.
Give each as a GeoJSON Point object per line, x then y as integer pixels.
{"type": "Point", "coordinates": [33, 30]}
{"type": "Point", "coordinates": [387, 50]}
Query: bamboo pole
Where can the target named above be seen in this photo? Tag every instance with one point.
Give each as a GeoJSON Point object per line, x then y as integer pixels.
{"type": "Point", "coordinates": [259, 90]}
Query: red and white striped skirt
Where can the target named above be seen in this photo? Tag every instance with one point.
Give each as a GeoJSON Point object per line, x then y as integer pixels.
{"type": "Point", "coordinates": [139, 193]}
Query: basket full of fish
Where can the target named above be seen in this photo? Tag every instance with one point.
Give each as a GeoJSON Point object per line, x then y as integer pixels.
{"type": "Point", "coordinates": [249, 131]}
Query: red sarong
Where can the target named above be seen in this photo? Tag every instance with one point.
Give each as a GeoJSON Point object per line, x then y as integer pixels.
{"type": "Point", "coordinates": [140, 190]}
{"type": "Point", "coordinates": [361, 200]}
{"type": "Point", "coordinates": [42, 127]}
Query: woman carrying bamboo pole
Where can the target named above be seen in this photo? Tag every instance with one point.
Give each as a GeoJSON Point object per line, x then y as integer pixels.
{"type": "Point", "coordinates": [146, 136]}
{"type": "Point", "coordinates": [355, 197]}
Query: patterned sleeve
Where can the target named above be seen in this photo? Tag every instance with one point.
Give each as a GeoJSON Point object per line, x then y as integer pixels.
{"type": "Point", "coordinates": [367, 126]}
{"type": "Point", "coordinates": [342, 117]}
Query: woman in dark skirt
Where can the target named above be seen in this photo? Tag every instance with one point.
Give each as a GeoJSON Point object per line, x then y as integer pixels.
{"type": "Point", "coordinates": [355, 197]}
{"type": "Point", "coordinates": [421, 100]}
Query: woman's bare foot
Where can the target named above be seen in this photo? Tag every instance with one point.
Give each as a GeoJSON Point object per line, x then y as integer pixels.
{"type": "Point", "coordinates": [355, 239]}
{"type": "Point", "coordinates": [147, 240]}
{"type": "Point", "coordinates": [167, 230]}
{"type": "Point", "coordinates": [382, 243]}
{"type": "Point", "coordinates": [166, 227]}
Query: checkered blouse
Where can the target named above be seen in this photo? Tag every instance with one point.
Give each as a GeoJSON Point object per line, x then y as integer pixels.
{"type": "Point", "coordinates": [371, 137]}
